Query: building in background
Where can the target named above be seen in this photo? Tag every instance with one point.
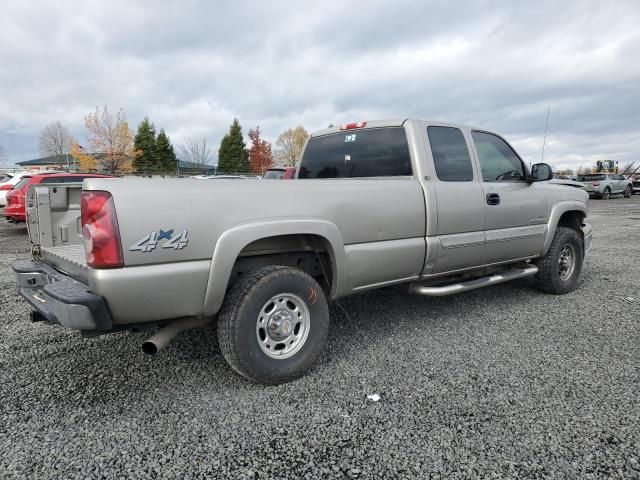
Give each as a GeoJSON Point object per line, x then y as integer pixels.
{"type": "Point", "coordinates": [55, 162]}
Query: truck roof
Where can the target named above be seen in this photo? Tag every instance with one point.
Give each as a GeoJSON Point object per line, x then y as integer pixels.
{"type": "Point", "coordinates": [391, 122]}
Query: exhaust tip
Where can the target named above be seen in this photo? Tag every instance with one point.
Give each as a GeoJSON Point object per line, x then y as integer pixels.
{"type": "Point", "coordinates": [149, 348]}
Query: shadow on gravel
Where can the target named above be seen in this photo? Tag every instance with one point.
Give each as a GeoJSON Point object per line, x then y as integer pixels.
{"type": "Point", "coordinates": [192, 362]}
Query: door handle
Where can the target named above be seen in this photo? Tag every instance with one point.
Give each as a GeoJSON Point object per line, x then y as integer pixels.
{"type": "Point", "coordinates": [493, 199]}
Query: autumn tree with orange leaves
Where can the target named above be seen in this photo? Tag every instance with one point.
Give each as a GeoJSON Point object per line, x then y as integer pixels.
{"type": "Point", "coordinates": [260, 156]}
{"type": "Point", "coordinates": [86, 162]}
{"type": "Point", "coordinates": [289, 145]}
{"type": "Point", "coordinates": [112, 140]}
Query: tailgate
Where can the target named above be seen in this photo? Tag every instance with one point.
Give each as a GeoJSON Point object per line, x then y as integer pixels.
{"type": "Point", "coordinates": [53, 221]}
{"type": "Point", "coordinates": [69, 259]}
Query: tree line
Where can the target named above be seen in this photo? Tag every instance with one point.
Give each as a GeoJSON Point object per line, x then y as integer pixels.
{"type": "Point", "coordinates": [115, 148]}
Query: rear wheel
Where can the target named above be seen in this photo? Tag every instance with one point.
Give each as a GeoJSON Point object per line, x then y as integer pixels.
{"type": "Point", "coordinates": [606, 194]}
{"type": "Point", "coordinates": [273, 324]}
{"type": "Point", "coordinates": [628, 192]}
{"type": "Point", "coordinates": [559, 269]}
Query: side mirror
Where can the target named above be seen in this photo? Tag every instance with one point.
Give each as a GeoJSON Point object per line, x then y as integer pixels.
{"type": "Point", "coordinates": [540, 172]}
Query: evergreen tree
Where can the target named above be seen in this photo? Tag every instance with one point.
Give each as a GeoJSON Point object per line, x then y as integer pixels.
{"type": "Point", "coordinates": [165, 156]}
{"type": "Point", "coordinates": [145, 141]}
{"type": "Point", "coordinates": [232, 155]}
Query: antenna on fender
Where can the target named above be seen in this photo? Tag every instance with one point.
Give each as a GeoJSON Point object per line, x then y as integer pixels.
{"type": "Point", "coordinates": [544, 142]}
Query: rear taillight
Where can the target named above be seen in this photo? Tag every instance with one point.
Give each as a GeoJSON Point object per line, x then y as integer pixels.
{"type": "Point", "coordinates": [6, 187]}
{"type": "Point", "coordinates": [100, 230]}
{"type": "Point", "coordinates": [596, 184]}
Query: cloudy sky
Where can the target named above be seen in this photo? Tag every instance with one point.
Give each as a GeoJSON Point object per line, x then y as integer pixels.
{"type": "Point", "coordinates": [192, 66]}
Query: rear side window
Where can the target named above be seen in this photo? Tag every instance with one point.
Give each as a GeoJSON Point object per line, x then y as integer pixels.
{"type": "Point", "coordinates": [450, 154]}
{"type": "Point", "coordinates": [63, 179]}
{"type": "Point", "coordinates": [498, 162]}
{"type": "Point", "coordinates": [54, 180]}
{"type": "Point", "coordinates": [22, 183]}
{"type": "Point", "coordinates": [375, 152]}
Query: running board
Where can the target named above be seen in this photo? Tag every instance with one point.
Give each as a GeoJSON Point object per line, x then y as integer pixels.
{"type": "Point", "coordinates": [473, 284]}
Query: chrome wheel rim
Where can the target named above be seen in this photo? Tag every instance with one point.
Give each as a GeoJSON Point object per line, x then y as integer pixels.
{"type": "Point", "coordinates": [566, 262]}
{"type": "Point", "coordinates": [282, 326]}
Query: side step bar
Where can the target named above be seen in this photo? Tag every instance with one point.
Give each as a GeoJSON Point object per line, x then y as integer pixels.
{"type": "Point", "coordinates": [473, 284]}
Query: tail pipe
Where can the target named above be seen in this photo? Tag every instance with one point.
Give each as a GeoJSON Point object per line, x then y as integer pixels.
{"type": "Point", "coordinates": [167, 333]}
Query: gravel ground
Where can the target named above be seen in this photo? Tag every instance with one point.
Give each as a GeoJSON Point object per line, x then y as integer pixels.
{"type": "Point", "coordinates": [500, 382]}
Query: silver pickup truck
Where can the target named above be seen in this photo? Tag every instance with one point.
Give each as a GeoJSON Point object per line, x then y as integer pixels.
{"type": "Point", "coordinates": [440, 208]}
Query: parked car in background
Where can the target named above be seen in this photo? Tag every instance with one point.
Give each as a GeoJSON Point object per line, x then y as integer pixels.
{"type": "Point", "coordinates": [635, 183]}
{"type": "Point", "coordinates": [280, 173]}
{"type": "Point", "coordinates": [604, 185]}
{"type": "Point", "coordinates": [9, 183]}
{"type": "Point", "coordinates": [15, 210]}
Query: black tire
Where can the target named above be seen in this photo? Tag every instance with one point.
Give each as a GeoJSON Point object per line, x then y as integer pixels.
{"type": "Point", "coordinates": [549, 279]}
{"type": "Point", "coordinates": [606, 194]}
{"type": "Point", "coordinates": [628, 192]}
{"type": "Point", "coordinates": [241, 311]}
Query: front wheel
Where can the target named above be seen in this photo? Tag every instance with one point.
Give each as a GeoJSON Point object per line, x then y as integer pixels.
{"type": "Point", "coordinates": [559, 269]}
{"type": "Point", "coordinates": [273, 324]}
{"type": "Point", "coordinates": [628, 192]}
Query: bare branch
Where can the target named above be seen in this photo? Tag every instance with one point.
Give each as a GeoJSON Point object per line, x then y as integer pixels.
{"type": "Point", "coordinates": [195, 151]}
{"type": "Point", "coordinates": [54, 140]}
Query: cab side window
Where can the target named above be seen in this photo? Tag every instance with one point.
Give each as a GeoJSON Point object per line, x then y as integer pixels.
{"type": "Point", "coordinates": [498, 162]}
{"type": "Point", "coordinates": [450, 154]}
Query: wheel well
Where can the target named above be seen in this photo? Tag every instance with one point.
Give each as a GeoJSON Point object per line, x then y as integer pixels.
{"type": "Point", "coordinates": [310, 253]}
{"type": "Point", "coordinates": [572, 219]}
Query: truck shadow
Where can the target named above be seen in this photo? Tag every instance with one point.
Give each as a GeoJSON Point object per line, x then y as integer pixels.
{"type": "Point", "coordinates": [114, 369]}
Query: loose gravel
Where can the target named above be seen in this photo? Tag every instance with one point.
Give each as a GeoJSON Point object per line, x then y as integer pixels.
{"type": "Point", "coordinates": [500, 382]}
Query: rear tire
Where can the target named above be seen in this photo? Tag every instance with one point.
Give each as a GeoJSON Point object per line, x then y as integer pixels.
{"type": "Point", "coordinates": [628, 192]}
{"type": "Point", "coordinates": [559, 269]}
{"type": "Point", "coordinates": [273, 324]}
{"type": "Point", "coordinates": [606, 194]}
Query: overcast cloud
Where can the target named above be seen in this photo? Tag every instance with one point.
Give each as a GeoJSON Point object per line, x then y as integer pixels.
{"type": "Point", "coordinates": [193, 66]}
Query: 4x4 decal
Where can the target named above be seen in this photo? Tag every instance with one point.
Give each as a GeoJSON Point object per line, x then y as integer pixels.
{"type": "Point", "coordinates": [150, 242]}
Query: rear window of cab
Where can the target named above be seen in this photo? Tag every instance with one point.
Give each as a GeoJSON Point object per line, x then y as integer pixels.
{"type": "Point", "coordinates": [357, 153]}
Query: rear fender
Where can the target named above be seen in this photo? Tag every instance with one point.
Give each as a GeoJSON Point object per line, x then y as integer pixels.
{"type": "Point", "coordinates": [234, 240]}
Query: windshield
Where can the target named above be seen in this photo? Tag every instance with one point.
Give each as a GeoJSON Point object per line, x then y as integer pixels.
{"type": "Point", "coordinates": [375, 152]}
{"type": "Point", "coordinates": [274, 175]}
{"type": "Point", "coordinates": [590, 177]}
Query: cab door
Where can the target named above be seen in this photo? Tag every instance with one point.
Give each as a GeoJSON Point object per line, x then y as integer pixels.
{"type": "Point", "coordinates": [516, 211]}
{"type": "Point", "coordinates": [459, 200]}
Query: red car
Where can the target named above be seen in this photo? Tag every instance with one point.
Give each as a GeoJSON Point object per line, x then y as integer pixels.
{"type": "Point", "coordinates": [16, 211]}
{"type": "Point", "coordinates": [280, 173]}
